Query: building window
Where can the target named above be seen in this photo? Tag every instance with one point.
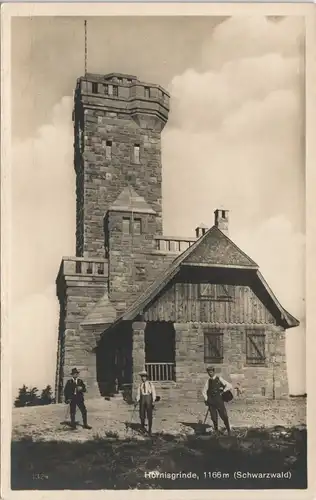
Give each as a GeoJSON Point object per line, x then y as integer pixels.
{"type": "Point", "coordinates": [108, 89]}
{"type": "Point", "coordinates": [115, 91]}
{"type": "Point", "coordinates": [108, 150]}
{"type": "Point", "coordinates": [94, 88]}
{"type": "Point", "coordinates": [255, 348]}
{"type": "Point", "coordinates": [140, 273]}
{"type": "Point", "coordinates": [210, 291]}
{"type": "Point", "coordinates": [136, 153]}
{"type": "Point", "coordinates": [147, 92]}
{"type": "Point", "coordinates": [213, 347]}
{"type": "Point", "coordinates": [126, 225]}
{"type": "Point", "coordinates": [120, 80]}
{"type": "Point", "coordinates": [137, 227]}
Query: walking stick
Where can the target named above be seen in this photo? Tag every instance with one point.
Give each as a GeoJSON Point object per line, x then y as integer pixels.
{"type": "Point", "coordinates": [206, 416]}
{"type": "Point", "coordinates": [128, 425]}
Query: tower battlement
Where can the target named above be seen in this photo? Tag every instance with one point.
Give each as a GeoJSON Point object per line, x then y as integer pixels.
{"type": "Point", "coordinates": [123, 94]}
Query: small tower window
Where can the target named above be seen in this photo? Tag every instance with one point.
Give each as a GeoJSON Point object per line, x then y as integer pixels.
{"type": "Point", "coordinates": [108, 89]}
{"type": "Point", "coordinates": [147, 92]}
{"type": "Point", "coordinates": [137, 227]}
{"type": "Point", "coordinates": [94, 88]}
{"type": "Point", "coordinates": [136, 153]}
{"type": "Point", "coordinates": [108, 150]}
{"type": "Point", "coordinates": [126, 225]}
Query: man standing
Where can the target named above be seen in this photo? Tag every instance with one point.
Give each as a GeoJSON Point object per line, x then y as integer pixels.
{"type": "Point", "coordinates": [73, 393]}
{"type": "Point", "coordinates": [212, 393]}
{"type": "Point", "coordinates": [146, 396]}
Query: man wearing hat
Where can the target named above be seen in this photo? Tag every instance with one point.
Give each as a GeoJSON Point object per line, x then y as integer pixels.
{"type": "Point", "coordinates": [212, 392]}
{"type": "Point", "coordinates": [73, 393]}
{"type": "Point", "coordinates": [146, 396]}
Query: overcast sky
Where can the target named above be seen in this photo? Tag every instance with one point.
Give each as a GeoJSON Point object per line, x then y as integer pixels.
{"type": "Point", "coordinates": [235, 139]}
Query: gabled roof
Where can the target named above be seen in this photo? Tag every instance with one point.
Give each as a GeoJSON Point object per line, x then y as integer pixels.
{"type": "Point", "coordinates": [216, 249]}
{"type": "Point", "coordinates": [129, 201]}
{"type": "Point", "coordinates": [101, 314]}
{"type": "Point", "coordinates": [228, 255]}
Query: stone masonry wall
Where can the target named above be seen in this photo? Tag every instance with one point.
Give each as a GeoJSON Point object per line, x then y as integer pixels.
{"type": "Point", "coordinates": [133, 265]}
{"type": "Point", "coordinates": [190, 366]}
{"type": "Point", "coordinates": [104, 179]}
{"type": "Point", "coordinates": [76, 343]}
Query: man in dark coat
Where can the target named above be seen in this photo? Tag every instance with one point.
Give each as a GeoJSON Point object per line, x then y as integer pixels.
{"type": "Point", "coordinates": [146, 397]}
{"type": "Point", "coordinates": [213, 391]}
{"type": "Point", "coordinates": [73, 392]}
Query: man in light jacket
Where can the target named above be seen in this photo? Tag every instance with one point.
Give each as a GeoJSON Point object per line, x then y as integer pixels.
{"type": "Point", "coordinates": [146, 396]}
{"type": "Point", "coordinates": [212, 392]}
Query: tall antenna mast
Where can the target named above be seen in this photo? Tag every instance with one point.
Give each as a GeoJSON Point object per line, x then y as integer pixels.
{"type": "Point", "coordinates": [85, 48]}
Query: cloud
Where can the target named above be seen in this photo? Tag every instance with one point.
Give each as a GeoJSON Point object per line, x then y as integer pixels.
{"type": "Point", "coordinates": [43, 202]}
{"type": "Point", "coordinates": [43, 216]}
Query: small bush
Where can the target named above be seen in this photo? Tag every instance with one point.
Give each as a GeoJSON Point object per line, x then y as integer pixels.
{"type": "Point", "coordinates": [30, 397]}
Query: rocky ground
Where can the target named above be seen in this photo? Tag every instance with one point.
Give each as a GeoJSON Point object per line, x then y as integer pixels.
{"type": "Point", "coordinates": [267, 437]}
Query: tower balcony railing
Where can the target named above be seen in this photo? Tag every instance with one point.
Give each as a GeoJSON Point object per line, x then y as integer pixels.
{"type": "Point", "coordinates": [84, 266]}
{"type": "Point", "coordinates": [171, 244]}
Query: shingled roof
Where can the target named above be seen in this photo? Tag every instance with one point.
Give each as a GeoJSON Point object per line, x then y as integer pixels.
{"type": "Point", "coordinates": [102, 313]}
{"type": "Point", "coordinates": [129, 201]}
{"type": "Point", "coordinates": [213, 249]}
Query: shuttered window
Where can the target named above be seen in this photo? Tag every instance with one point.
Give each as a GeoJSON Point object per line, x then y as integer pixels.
{"type": "Point", "coordinates": [218, 292]}
{"type": "Point", "coordinates": [255, 348]}
{"type": "Point", "coordinates": [213, 347]}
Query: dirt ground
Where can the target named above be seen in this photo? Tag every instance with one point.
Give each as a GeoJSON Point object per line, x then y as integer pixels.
{"type": "Point", "coordinates": [46, 422]}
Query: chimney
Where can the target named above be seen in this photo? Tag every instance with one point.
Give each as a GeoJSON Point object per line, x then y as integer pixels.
{"type": "Point", "coordinates": [221, 220]}
{"type": "Point", "coordinates": [200, 230]}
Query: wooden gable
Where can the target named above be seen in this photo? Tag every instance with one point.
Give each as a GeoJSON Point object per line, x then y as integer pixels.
{"type": "Point", "coordinates": [182, 302]}
{"type": "Point", "coordinates": [218, 250]}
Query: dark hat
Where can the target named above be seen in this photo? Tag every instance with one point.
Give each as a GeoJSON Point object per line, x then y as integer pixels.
{"type": "Point", "coordinates": [74, 371]}
{"type": "Point", "coordinates": [143, 373]}
{"type": "Point", "coordinates": [210, 369]}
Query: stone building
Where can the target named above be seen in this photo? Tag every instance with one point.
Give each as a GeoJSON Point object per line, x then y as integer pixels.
{"type": "Point", "coordinates": [133, 297]}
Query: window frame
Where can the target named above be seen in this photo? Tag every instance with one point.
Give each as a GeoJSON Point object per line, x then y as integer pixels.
{"type": "Point", "coordinates": [108, 148]}
{"type": "Point", "coordinates": [128, 221]}
{"type": "Point", "coordinates": [135, 159]}
{"type": "Point", "coordinates": [138, 220]}
{"type": "Point", "coordinates": [215, 295]}
{"type": "Point", "coordinates": [95, 88]}
{"type": "Point", "coordinates": [251, 360]}
{"type": "Point", "coordinates": [214, 359]}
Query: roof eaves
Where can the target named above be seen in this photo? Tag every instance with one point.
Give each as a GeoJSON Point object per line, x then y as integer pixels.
{"type": "Point", "coordinates": [285, 315]}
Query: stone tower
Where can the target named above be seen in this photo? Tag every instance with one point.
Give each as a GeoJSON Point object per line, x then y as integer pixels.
{"type": "Point", "coordinates": [117, 158]}
{"type": "Point", "coordinates": [118, 122]}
